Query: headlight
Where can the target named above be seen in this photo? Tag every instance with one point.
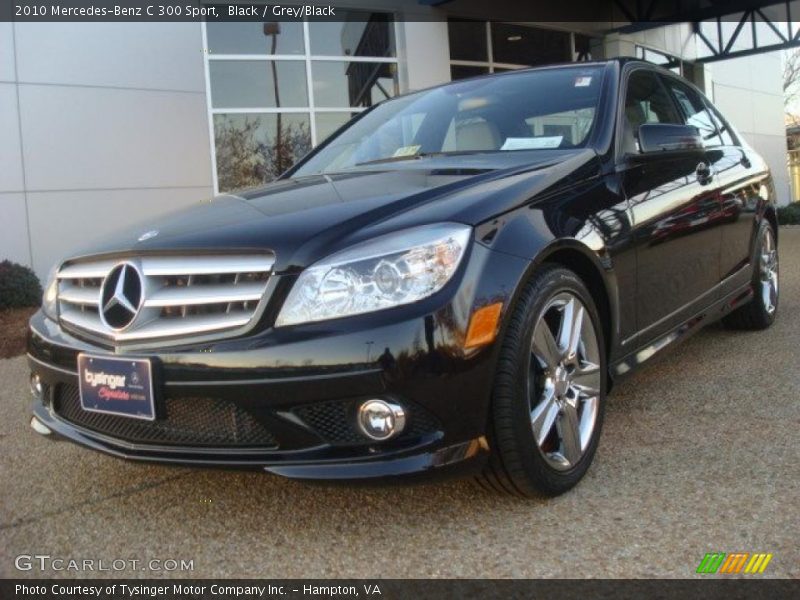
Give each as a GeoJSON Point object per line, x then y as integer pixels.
{"type": "Point", "coordinates": [50, 296]}
{"type": "Point", "coordinates": [388, 271]}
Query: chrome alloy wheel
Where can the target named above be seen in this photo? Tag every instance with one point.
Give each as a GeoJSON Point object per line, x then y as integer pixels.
{"type": "Point", "coordinates": [768, 266]}
{"type": "Point", "coordinates": [564, 381]}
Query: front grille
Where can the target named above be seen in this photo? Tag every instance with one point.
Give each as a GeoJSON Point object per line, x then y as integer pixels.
{"type": "Point", "coordinates": [181, 296]}
{"type": "Point", "coordinates": [335, 422]}
{"type": "Point", "coordinates": [210, 422]}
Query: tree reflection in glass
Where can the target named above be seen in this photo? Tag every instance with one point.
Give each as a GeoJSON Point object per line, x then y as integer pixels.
{"type": "Point", "coordinates": [250, 151]}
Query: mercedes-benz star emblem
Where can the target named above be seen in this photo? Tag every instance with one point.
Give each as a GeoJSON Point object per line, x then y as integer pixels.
{"type": "Point", "coordinates": [122, 296]}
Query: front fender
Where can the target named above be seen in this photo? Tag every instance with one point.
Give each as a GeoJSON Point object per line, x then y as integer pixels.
{"type": "Point", "coordinates": [584, 230]}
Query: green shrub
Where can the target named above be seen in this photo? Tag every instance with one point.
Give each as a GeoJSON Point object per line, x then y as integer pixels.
{"type": "Point", "coordinates": [19, 286]}
{"type": "Point", "coordinates": [790, 214]}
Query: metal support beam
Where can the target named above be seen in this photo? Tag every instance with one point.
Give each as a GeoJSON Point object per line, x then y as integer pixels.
{"type": "Point", "coordinates": [718, 43]}
{"type": "Point", "coordinates": [642, 15]}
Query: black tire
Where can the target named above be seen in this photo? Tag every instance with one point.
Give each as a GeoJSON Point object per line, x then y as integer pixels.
{"type": "Point", "coordinates": [516, 463]}
{"type": "Point", "coordinates": [755, 314]}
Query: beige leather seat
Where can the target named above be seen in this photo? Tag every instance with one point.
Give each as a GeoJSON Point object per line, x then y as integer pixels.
{"type": "Point", "coordinates": [634, 117]}
{"type": "Point", "coordinates": [477, 135]}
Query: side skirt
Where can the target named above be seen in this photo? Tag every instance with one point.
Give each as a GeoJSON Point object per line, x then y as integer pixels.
{"type": "Point", "coordinates": [713, 312]}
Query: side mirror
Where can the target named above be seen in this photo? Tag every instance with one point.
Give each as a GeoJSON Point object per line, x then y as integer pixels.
{"type": "Point", "coordinates": [666, 137]}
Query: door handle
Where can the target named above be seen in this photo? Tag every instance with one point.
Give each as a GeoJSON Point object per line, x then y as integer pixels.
{"type": "Point", "coordinates": [703, 173]}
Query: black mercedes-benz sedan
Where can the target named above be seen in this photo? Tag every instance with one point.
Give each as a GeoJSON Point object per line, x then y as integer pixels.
{"type": "Point", "coordinates": [450, 283]}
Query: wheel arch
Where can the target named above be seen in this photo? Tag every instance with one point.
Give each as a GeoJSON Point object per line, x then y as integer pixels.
{"type": "Point", "coordinates": [599, 281]}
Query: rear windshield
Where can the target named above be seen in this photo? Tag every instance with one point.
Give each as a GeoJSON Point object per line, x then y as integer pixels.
{"type": "Point", "coordinates": [532, 110]}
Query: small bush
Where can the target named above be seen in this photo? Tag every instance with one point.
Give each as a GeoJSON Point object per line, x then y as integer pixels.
{"type": "Point", "coordinates": [790, 214]}
{"type": "Point", "coordinates": [19, 286]}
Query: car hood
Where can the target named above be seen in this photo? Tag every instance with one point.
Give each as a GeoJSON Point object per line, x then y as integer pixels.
{"type": "Point", "coordinates": [303, 219]}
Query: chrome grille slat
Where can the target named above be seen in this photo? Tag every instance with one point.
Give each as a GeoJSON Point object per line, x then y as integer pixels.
{"type": "Point", "coordinates": [218, 265]}
{"type": "Point", "coordinates": [87, 296]}
{"type": "Point", "coordinates": [184, 296]}
{"type": "Point", "coordinates": [182, 327]}
{"type": "Point", "coordinates": [89, 270]}
{"type": "Point", "coordinates": [204, 294]}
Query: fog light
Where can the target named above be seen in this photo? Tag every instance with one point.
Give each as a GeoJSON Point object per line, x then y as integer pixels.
{"type": "Point", "coordinates": [37, 391]}
{"type": "Point", "coordinates": [40, 427]}
{"type": "Point", "coordinates": [381, 420]}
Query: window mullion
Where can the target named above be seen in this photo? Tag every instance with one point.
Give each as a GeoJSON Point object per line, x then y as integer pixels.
{"type": "Point", "coordinates": [310, 83]}
{"type": "Point", "coordinates": [489, 51]}
{"type": "Point", "coordinates": [221, 57]}
{"type": "Point", "coordinates": [210, 115]}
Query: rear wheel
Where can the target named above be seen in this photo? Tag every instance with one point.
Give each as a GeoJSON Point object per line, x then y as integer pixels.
{"type": "Point", "coordinates": [760, 312]}
{"type": "Point", "coordinates": [549, 394]}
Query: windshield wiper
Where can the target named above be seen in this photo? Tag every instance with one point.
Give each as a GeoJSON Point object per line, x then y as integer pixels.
{"type": "Point", "coordinates": [418, 156]}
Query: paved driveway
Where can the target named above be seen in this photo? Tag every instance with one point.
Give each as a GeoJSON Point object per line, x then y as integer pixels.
{"type": "Point", "coordinates": [699, 454]}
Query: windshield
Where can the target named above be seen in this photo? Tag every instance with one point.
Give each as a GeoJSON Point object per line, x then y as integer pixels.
{"type": "Point", "coordinates": [531, 110]}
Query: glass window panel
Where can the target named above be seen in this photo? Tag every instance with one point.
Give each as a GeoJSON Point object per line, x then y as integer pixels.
{"type": "Point", "coordinates": [328, 122]}
{"type": "Point", "coordinates": [500, 115]}
{"type": "Point", "coordinates": [572, 126]}
{"type": "Point", "coordinates": [646, 101]}
{"type": "Point", "coordinates": [725, 131]}
{"type": "Point", "coordinates": [252, 149]}
{"type": "Point", "coordinates": [516, 44]}
{"type": "Point", "coordinates": [467, 40]}
{"type": "Point", "coordinates": [252, 83]}
{"type": "Point", "coordinates": [694, 112]}
{"type": "Point", "coordinates": [357, 34]}
{"type": "Point", "coordinates": [688, 71]}
{"type": "Point", "coordinates": [338, 84]}
{"type": "Point", "coordinates": [583, 47]}
{"type": "Point", "coordinates": [384, 88]}
{"type": "Point", "coordinates": [255, 38]}
{"type": "Point", "coordinates": [464, 71]}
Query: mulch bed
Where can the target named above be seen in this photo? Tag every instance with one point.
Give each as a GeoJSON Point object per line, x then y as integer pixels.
{"type": "Point", "coordinates": [13, 329]}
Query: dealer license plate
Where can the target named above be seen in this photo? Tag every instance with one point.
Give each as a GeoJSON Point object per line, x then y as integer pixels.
{"type": "Point", "coordinates": [117, 386]}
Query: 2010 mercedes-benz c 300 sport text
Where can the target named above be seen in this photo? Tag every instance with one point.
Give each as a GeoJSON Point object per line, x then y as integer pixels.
{"type": "Point", "coordinates": [450, 283]}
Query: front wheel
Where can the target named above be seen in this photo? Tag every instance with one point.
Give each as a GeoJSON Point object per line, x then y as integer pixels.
{"type": "Point", "coordinates": [549, 393]}
{"type": "Point", "coordinates": [760, 312]}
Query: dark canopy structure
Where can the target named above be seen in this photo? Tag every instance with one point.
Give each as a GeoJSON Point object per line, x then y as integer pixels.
{"type": "Point", "coordinates": [725, 28]}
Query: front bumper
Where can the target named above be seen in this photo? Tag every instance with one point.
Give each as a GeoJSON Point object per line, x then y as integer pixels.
{"type": "Point", "coordinates": [299, 384]}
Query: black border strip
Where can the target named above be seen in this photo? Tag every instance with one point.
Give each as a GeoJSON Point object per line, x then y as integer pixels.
{"type": "Point", "coordinates": [639, 14]}
{"type": "Point", "coordinates": [710, 587]}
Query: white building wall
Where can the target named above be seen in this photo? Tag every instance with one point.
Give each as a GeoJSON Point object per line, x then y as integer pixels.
{"type": "Point", "coordinates": [101, 125]}
{"type": "Point", "coordinates": [676, 40]}
{"type": "Point", "coordinates": [425, 52]}
{"type": "Point", "coordinates": [14, 243]}
{"type": "Point", "coordinates": [749, 92]}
